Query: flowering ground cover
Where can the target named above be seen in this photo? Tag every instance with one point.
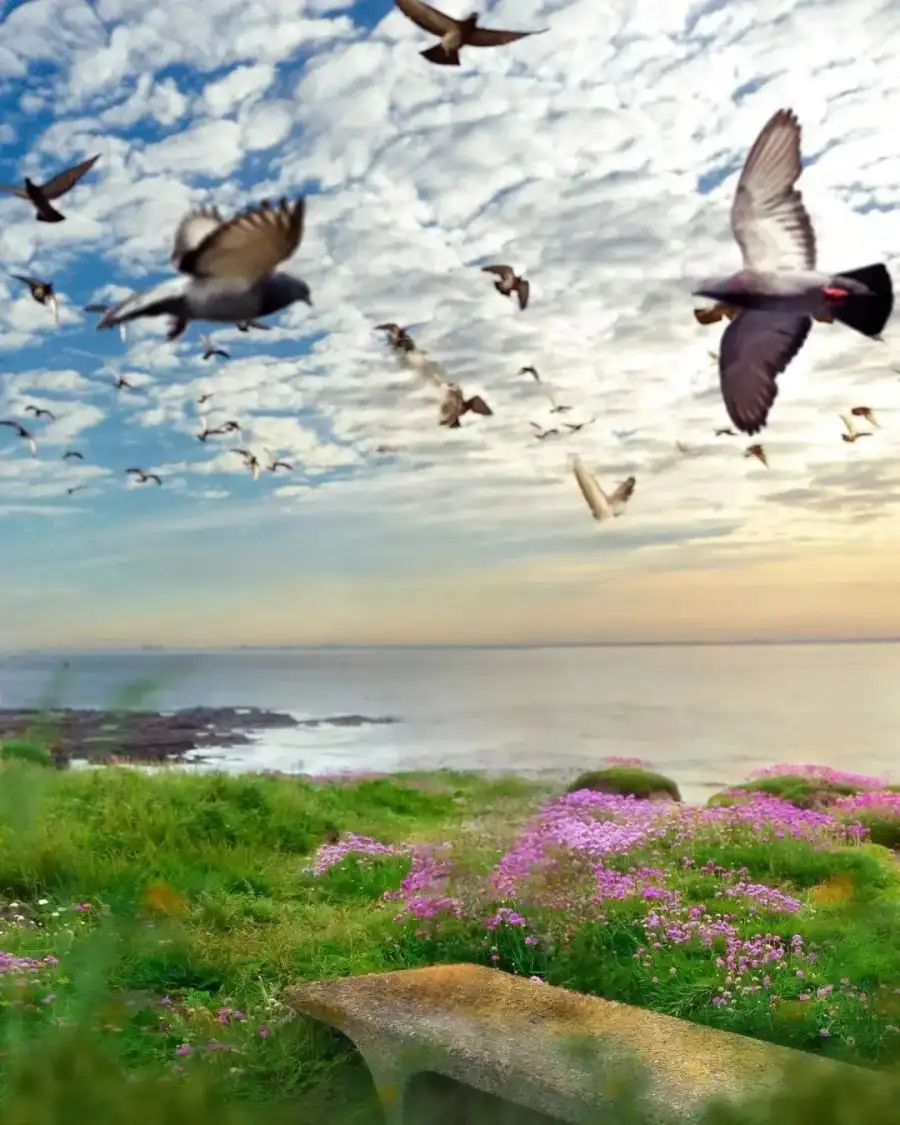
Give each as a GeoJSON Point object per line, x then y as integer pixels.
{"type": "Point", "coordinates": [148, 925]}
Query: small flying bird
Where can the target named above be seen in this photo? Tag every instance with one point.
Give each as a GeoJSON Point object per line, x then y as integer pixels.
{"type": "Point", "coordinates": [398, 338]}
{"type": "Point", "coordinates": [246, 325]}
{"type": "Point", "coordinates": [510, 283]}
{"type": "Point", "coordinates": [454, 33]}
{"type": "Point", "coordinates": [75, 488]}
{"type": "Point", "coordinates": [208, 432]}
{"type": "Point", "coordinates": [123, 331]}
{"type": "Point", "coordinates": [122, 384]}
{"type": "Point", "coordinates": [204, 398]}
{"type": "Point", "coordinates": [454, 405]}
{"type": "Point", "coordinates": [72, 455]}
{"type": "Point", "coordinates": [602, 507]}
{"type": "Point", "coordinates": [210, 349]}
{"type": "Point", "coordinates": [868, 413]}
{"type": "Point", "coordinates": [540, 433]}
{"type": "Point", "coordinates": [725, 431]}
{"type": "Point", "coordinates": [575, 427]}
{"type": "Point", "coordinates": [275, 465]}
{"type": "Point", "coordinates": [851, 433]}
{"type": "Point", "coordinates": [229, 267]}
{"type": "Point", "coordinates": [758, 452]}
{"type": "Point", "coordinates": [24, 434]}
{"type": "Point", "coordinates": [623, 435]}
{"type": "Point", "coordinates": [230, 427]}
{"type": "Point", "coordinates": [41, 195]}
{"type": "Point", "coordinates": [40, 412]}
{"type": "Point", "coordinates": [555, 407]}
{"type": "Point", "coordinates": [41, 291]}
{"type": "Point", "coordinates": [251, 461]}
{"type": "Point", "coordinates": [682, 447]}
{"type": "Point", "coordinates": [142, 476]}
{"type": "Point", "coordinates": [779, 290]}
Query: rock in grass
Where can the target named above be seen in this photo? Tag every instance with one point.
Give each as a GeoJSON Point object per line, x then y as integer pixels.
{"type": "Point", "coordinates": [628, 780]}
{"type": "Point", "coordinates": [804, 792]}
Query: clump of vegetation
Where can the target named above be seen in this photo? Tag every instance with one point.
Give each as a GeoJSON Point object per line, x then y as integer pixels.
{"type": "Point", "coordinates": [23, 750]}
{"type": "Point", "coordinates": [626, 780]}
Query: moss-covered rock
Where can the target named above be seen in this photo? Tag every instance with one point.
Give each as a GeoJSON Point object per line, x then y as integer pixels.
{"type": "Point", "coordinates": [804, 792]}
{"type": "Point", "coordinates": [628, 780]}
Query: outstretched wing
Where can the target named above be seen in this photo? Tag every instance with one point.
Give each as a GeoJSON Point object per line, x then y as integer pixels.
{"type": "Point", "coordinates": [191, 231]}
{"type": "Point", "coordinates": [164, 299]}
{"type": "Point", "coordinates": [594, 496]}
{"type": "Point", "coordinates": [65, 181]}
{"type": "Point", "coordinates": [426, 17]}
{"type": "Point", "coordinates": [478, 406]}
{"type": "Point", "coordinates": [506, 272]}
{"type": "Point", "coordinates": [11, 189]}
{"type": "Point", "coordinates": [250, 245]}
{"type": "Point", "coordinates": [622, 493]}
{"type": "Point", "coordinates": [490, 37]}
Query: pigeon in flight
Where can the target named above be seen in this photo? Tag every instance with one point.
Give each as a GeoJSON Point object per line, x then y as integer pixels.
{"type": "Point", "coordinates": [779, 290]}
{"type": "Point", "coordinates": [251, 461]}
{"type": "Point", "coordinates": [510, 283]}
{"type": "Point", "coordinates": [398, 338]}
{"type": "Point", "coordinates": [866, 412]}
{"type": "Point", "coordinates": [75, 488]}
{"type": "Point", "coordinates": [454, 33]}
{"type": "Point", "coordinates": [540, 433]}
{"type": "Point", "coordinates": [22, 433]}
{"type": "Point", "coordinates": [40, 412]}
{"type": "Point", "coordinates": [758, 452]}
{"type": "Point", "coordinates": [851, 433]}
{"type": "Point", "coordinates": [72, 455]}
{"type": "Point", "coordinates": [42, 195]}
{"type": "Point", "coordinates": [555, 407]}
{"type": "Point", "coordinates": [142, 477]}
{"type": "Point", "coordinates": [454, 405]}
{"type": "Point", "coordinates": [42, 291]}
{"type": "Point", "coordinates": [725, 431]}
{"type": "Point", "coordinates": [229, 267]}
{"type": "Point", "coordinates": [122, 384]}
{"type": "Point", "coordinates": [602, 507]}
{"type": "Point", "coordinates": [577, 427]}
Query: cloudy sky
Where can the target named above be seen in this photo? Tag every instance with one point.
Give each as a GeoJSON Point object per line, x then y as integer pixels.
{"type": "Point", "coordinates": [599, 159]}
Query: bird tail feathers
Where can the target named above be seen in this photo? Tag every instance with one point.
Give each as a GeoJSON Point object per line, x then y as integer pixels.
{"type": "Point", "coordinates": [867, 313]}
{"type": "Point", "coordinates": [437, 54]}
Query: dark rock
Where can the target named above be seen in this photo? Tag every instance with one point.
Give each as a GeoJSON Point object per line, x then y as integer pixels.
{"type": "Point", "coordinates": [350, 721]}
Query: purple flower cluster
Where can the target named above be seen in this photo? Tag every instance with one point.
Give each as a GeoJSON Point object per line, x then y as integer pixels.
{"type": "Point", "coordinates": [880, 803]}
{"type": "Point", "coordinates": [10, 963]}
{"type": "Point", "coordinates": [819, 773]}
{"type": "Point", "coordinates": [330, 854]}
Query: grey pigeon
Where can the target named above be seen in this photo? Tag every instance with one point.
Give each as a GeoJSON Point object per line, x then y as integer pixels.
{"type": "Point", "coordinates": [230, 267]}
{"type": "Point", "coordinates": [779, 291]}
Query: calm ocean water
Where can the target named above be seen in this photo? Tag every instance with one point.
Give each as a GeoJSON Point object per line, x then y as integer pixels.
{"type": "Point", "coordinates": [704, 715]}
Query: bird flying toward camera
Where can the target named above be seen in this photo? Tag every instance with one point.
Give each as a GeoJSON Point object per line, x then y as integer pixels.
{"type": "Point", "coordinates": [509, 282]}
{"type": "Point", "coordinates": [41, 196]}
{"type": "Point", "coordinates": [229, 267]}
{"type": "Point", "coordinates": [601, 505]}
{"type": "Point", "coordinates": [454, 34]}
{"type": "Point", "coordinates": [41, 291]}
{"type": "Point", "coordinates": [779, 290]}
{"type": "Point", "coordinates": [23, 434]}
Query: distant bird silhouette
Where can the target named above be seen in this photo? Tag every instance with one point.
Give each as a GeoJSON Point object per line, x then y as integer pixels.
{"type": "Point", "coordinates": [122, 384]}
{"type": "Point", "coordinates": [24, 434]}
{"type": "Point", "coordinates": [75, 488]}
{"type": "Point", "coordinates": [453, 34]}
{"type": "Point", "coordinates": [275, 465]}
{"type": "Point", "coordinates": [851, 433]}
{"type": "Point", "coordinates": [574, 427]}
{"type": "Point", "coordinates": [540, 433]}
{"type": "Point", "coordinates": [866, 412]}
{"type": "Point", "coordinates": [204, 398]}
{"type": "Point", "coordinates": [555, 407]}
{"type": "Point", "coordinates": [142, 476]}
{"type": "Point", "coordinates": [213, 431]}
{"type": "Point", "coordinates": [510, 283]}
{"type": "Point", "coordinates": [72, 455]}
{"type": "Point", "coordinates": [210, 349]}
{"type": "Point", "coordinates": [40, 412]}
{"type": "Point", "coordinates": [41, 291]}
{"type": "Point", "coordinates": [398, 338]}
{"type": "Point", "coordinates": [725, 431]}
{"type": "Point", "coordinates": [41, 195]}
{"type": "Point", "coordinates": [454, 405]}
{"type": "Point", "coordinates": [758, 452]}
{"type": "Point", "coordinates": [251, 461]}
{"type": "Point", "coordinates": [230, 427]}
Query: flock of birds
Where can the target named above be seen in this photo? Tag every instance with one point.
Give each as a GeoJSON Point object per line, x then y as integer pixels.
{"type": "Point", "coordinates": [229, 274]}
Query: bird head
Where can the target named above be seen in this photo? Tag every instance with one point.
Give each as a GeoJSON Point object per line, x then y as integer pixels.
{"type": "Point", "coordinates": [283, 289]}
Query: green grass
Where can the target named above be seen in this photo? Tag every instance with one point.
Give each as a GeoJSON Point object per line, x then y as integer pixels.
{"type": "Point", "coordinates": [626, 780]}
{"type": "Point", "coordinates": [804, 792]}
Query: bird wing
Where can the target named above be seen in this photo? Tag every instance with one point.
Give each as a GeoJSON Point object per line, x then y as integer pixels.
{"type": "Point", "coordinates": [478, 406]}
{"type": "Point", "coordinates": [768, 218]}
{"type": "Point", "coordinates": [524, 290]}
{"type": "Point", "coordinates": [493, 37]}
{"type": "Point", "coordinates": [622, 493]}
{"type": "Point", "coordinates": [388, 328]}
{"type": "Point", "coordinates": [756, 347]}
{"type": "Point", "coordinates": [426, 17]}
{"type": "Point", "coordinates": [593, 494]}
{"type": "Point", "coordinates": [249, 245]}
{"type": "Point", "coordinates": [27, 280]}
{"type": "Point", "coordinates": [161, 299]}
{"type": "Point", "coordinates": [506, 272]}
{"type": "Point", "coordinates": [64, 181]}
{"type": "Point", "coordinates": [13, 190]}
{"type": "Point", "coordinates": [192, 230]}
{"type": "Point", "coordinates": [709, 316]}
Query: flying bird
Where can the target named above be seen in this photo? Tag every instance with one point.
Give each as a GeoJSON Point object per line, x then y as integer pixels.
{"type": "Point", "coordinates": [251, 461]}
{"type": "Point", "coordinates": [725, 431]}
{"type": "Point", "coordinates": [717, 312]}
{"type": "Point", "coordinates": [22, 433]}
{"type": "Point", "coordinates": [42, 195]}
{"type": "Point", "coordinates": [454, 405]}
{"type": "Point", "coordinates": [142, 476]}
{"type": "Point", "coordinates": [122, 384]}
{"type": "Point", "coordinates": [866, 412]}
{"type": "Point", "coordinates": [99, 308]}
{"type": "Point", "coordinates": [207, 432]}
{"type": "Point", "coordinates": [758, 452]}
{"type": "Point", "coordinates": [41, 291]}
{"type": "Point", "coordinates": [204, 398]}
{"type": "Point", "coordinates": [555, 407]}
{"type": "Point", "coordinates": [229, 267]}
{"type": "Point", "coordinates": [231, 427]}
{"type": "Point", "coordinates": [210, 349]}
{"type": "Point", "coordinates": [510, 283]}
{"type": "Point", "coordinates": [72, 455]}
{"type": "Point", "coordinates": [454, 33]}
{"type": "Point", "coordinates": [575, 427]}
{"type": "Point", "coordinates": [274, 465]}
{"type": "Point", "coordinates": [398, 338]}
{"type": "Point", "coordinates": [75, 488]}
{"type": "Point", "coordinates": [602, 507]}
{"type": "Point", "coordinates": [540, 433]}
{"type": "Point", "coordinates": [40, 412]}
{"type": "Point", "coordinates": [779, 290]}
{"type": "Point", "coordinates": [851, 433]}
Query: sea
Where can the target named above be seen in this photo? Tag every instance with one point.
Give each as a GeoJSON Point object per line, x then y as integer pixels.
{"type": "Point", "coordinates": [705, 715]}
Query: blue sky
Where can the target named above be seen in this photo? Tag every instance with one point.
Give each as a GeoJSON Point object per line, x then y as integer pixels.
{"type": "Point", "coordinates": [598, 159]}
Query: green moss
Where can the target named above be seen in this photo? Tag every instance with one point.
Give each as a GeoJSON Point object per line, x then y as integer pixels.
{"type": "Point", "coordinates": [804, 792]}
{"type": "Point", "coordinates": [625, 780]}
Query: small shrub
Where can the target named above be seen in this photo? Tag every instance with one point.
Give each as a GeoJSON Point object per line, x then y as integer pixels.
{"type": "Point", "coordinates": [626, 781]}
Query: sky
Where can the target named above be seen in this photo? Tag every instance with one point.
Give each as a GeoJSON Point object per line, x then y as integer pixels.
{"type": "Point", "coordinates": [599, 159]}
